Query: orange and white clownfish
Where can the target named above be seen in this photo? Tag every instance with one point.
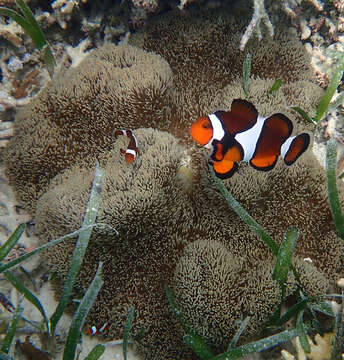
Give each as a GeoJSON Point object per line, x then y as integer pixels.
{"type": "Point", "coordinates": [242, 135]}
{"type": "Point", "coordinates": [132, 149]}
{"type": "Point", "coordinates": [97, 330]}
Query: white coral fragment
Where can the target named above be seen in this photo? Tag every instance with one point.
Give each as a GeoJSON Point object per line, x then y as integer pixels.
{"type": "Point", "coordinates": [340, 283]}
{"type": "Point", "coordinates": [259, 15]}
{"type": "Point", "coordinates": [14, 64]}
{"type": "Point", "coordinates": [63, 10]}
{"type": "Point", "coordinates": [306, 31]}
{"type": "Point", "coordinates": [79, 52]}
{"type": "Point", "coordinates": [10, 32]}
{"type": "Point", "coordinates": [321, 348]}
{"type": "Point", "coordinates": [183, 3]}
{"type": "Point", "coordinates": [287, 356]}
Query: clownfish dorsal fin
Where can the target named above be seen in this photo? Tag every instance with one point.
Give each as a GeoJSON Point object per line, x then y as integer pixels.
{"type": "Point", "coordinates": [242, 116]}
{"type": "Point", "coordinates": [294, 147]}
{"type": "Point", "coordinates": [275, 131]}
{"type": "Point", "coordinates": [225, 169]}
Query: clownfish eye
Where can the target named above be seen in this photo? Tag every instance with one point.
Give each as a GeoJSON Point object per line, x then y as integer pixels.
{"type": "Point", "coordinates": [206, 125]}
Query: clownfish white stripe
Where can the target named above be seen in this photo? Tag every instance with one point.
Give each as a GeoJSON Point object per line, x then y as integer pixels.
{"type": "Point", "coordinates": [97, 330]}
{"type": "Point", "coordinates": [93, 330]}
{"type": "Point", "coordinates": [130, 151]}
{"type": "Point", "coordinates": [103, 328]}
{"type": "Point", "coordinates": [286, 145]}
{"type": "Point", "coordinates": [218, 132]}
{"type": "Point", "coordinates": [134, 138]}
{"type": "Point", "coordinates": [249, 138]}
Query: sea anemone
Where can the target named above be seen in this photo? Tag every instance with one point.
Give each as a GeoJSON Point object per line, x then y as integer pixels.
{"type": "Point", "coordinates": [173, 225]}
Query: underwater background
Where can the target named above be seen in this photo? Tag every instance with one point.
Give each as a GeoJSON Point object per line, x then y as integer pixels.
{"type": "Point", "coordinates": [154, 67]}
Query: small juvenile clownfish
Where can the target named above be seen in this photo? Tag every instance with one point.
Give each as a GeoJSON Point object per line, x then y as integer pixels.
{"type": "Point", "coordinates": [97, 330]}
{"type": "Point", "coordinates": [242, 135]}
{"type": "Point", "coordinates": [132, 149]}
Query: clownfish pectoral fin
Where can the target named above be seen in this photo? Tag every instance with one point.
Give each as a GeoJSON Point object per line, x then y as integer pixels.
{"type": "Point", "coordinates": [218, 151]}
{"type": "Point", "coordinates": [275, 131]}
{"type": "Point", "coordinates": [295, 148]}
{"type": "Point", "coordinates": [228, 148]}
{"type": "Point", "coordinates": [225, 169]}
{"type": "Point", "coordinates": [242, 116]}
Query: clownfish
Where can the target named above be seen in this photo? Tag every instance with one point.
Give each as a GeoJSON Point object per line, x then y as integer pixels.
{"type": "Point", "coordinates": [242, 135]}
{"type": "Point", "coordinates": [132, 149]}
{"type": "Point", "coordinates": [97, 330]}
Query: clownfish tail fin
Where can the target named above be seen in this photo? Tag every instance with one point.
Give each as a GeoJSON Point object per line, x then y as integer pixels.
{"type": "Point", "coordinates": [294, 147]}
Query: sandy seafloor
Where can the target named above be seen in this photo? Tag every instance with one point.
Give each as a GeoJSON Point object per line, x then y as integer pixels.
{"type": "Point", "coordinates": [320, 46]}
{"type": "Point", "coordinates": [9, 220]}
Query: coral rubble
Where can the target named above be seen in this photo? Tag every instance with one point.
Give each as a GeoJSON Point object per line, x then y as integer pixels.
{"type": "Point", "coordinates": [174, 227]}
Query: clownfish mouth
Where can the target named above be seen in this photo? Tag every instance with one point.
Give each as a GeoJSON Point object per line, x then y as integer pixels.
{"type": "Point", "coordinates": [240, 134]}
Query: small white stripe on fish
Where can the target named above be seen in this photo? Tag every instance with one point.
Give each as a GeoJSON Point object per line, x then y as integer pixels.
{"type": "Point", "coordinates": [130, 151]}
{"type": "Point", "coordinates": [286, 145]}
